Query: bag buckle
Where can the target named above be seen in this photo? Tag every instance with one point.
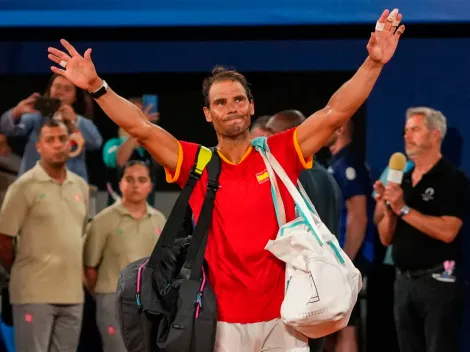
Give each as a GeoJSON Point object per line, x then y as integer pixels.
{"type": "Point", "coordinates": [194, 175]}
{"type": "Point", "coordinates": [213, 185]}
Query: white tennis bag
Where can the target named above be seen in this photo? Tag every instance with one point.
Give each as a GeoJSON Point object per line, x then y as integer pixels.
{"type": "Point", "coordinates": [322, 284]}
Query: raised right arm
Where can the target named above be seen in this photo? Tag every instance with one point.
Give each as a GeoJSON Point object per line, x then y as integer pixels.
{"type": "Point", "coordinates": [80, 70]}
{"type": "Point", "coordinates": [159, 143]}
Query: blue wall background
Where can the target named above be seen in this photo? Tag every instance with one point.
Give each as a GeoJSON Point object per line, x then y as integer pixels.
{"type": "Point", "coordinates": [433, 72]}
{"type": "Point", "coordinates": [226, 12]}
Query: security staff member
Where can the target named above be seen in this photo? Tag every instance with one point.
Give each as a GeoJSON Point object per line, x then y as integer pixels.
{"type": "Point", "coordinates": [46, 209]}
{"type": "Point", "coordinates": [357, 231]}
{"type": "Point", "coordinates": [422, 221]}
{"type": "Point", "coordinates": [120, 234]}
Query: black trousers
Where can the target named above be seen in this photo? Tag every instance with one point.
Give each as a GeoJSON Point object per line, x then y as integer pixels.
{"type": "Point", "coordinates": [428, 314]}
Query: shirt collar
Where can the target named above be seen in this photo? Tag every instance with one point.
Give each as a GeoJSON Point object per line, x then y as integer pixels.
{"type": "Point", "coordinates": [435, 170]}
{"type": "Point", "coordinates": [121, 209]}
{"type": "Point", "coordinates": [41, 175]}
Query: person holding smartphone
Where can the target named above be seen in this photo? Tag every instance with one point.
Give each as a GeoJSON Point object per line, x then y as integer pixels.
{"type": "Point", "coordinates": [118, 151]}
{"type": "Point", "coordinates": [25, 120]}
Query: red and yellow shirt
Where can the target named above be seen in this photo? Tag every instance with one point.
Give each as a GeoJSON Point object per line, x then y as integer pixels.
{"type": "Point", "coordinates": [248, 280]}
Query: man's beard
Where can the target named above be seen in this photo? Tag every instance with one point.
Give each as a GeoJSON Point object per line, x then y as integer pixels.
{"type": "Point", "coordinates": [237, 130]}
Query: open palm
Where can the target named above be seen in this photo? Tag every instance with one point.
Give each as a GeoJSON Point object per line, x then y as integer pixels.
{"type": "Point", "coordinates": [79, 70]}
{"type": "Point", "coordinates": [384, 41]}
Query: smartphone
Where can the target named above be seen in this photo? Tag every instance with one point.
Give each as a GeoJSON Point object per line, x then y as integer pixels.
{"type": "Point", "coordinates": [148, 99]}
{"type": "Point", "coordinates": [47, 106]}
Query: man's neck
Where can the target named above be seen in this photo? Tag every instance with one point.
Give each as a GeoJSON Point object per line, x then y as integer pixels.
{"type": "Point", "coordinates": [424, 163]}
{"type": "Point", "coordinates": [339, 145]}
{"type": "Point", "coordinates": [58, 174]}
{"type": "Point", "coordinates": [234, 149]}
{"type": "Point", "coordinates": [137, 210]}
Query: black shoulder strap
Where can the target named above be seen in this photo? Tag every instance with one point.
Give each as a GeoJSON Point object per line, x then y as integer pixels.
{"type": "Point", "coordinates": [197, 248]}
{"type": "Point", "coordinates": [177, 215]}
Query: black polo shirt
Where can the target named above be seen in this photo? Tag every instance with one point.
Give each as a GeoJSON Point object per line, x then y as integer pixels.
{"type": "Point", "coordinates": [442, 191]}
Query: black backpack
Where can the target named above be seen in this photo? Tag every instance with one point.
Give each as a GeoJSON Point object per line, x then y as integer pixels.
{"type": "Point", "coordinates": [165, 302]}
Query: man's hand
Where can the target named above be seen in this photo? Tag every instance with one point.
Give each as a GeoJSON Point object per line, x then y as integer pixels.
{"type": "Point", "coordinates": [314, 132]}
{"type": "Point", "coordinates": [394, 196]}
{"type": "Point", "coordinates": [379, 189]}
{"type": "Point", "coordinates": [25, 106]}
{"type": "Point", "coordinates": [78, 69]}
{"type": "Point", "coordinates": [68, 113]}
{"type": "Point", "coordinates": [69, 117]}
{"type": "Point", "coordinates": [383, 42]}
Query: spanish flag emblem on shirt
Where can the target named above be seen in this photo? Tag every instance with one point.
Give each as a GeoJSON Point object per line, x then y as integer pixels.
{"type": "Point", "coordinates": [262, 176]}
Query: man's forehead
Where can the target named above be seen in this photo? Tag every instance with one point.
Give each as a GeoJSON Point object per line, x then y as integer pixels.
{"type": "Point", "coordinates": [226, 89]}
{"type": "Point", "coordinates": [415, 120]}
{"type": "Point", "coordinates": [54, 131]}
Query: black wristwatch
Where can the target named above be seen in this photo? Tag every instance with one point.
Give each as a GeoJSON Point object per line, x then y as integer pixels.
{"type": "Point", "coordinates": [100, 91]}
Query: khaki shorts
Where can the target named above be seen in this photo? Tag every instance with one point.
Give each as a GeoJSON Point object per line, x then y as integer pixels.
{"type": "Point", "coordinates": [272, 336]}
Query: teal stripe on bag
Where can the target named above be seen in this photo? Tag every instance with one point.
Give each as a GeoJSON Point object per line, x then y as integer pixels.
{"type": "Point", "coordinates": [273, 194]}
{"type": "Point", "coordinates": [338, 254]}
{"type": "Point", "coordinates": [307, 202]}
{"type": "Point", "coordinates": [310, 226]}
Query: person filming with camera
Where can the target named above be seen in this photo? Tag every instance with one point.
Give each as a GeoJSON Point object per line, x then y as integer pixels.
{"type": "Point", "coordinates": [64, 102]}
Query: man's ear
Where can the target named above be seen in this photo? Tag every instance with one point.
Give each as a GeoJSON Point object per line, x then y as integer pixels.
{"type": "Point", "coordinates": [207, 114]}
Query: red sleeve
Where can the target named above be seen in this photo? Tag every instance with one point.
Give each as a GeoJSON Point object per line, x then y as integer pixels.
{"type": "Point", "coordinates": [186, 157]}
{"type": "Point", "coordinates": [285, 148]}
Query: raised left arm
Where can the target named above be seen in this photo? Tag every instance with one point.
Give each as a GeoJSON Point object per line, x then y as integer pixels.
{"type": "Point", "coordinates": [313, 133]}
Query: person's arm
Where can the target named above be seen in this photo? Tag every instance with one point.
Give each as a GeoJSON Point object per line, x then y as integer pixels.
{"type": "Point", "coordinates": [12, 215]}
{"type": "Point", "coordinates": [159, 143]}
{"type": "Point", "coordinates": [91, 135]}
{"type": "Point", "coordinates": [317, 129]}
{"type": "Point", "coordinates": [95, 241]}
{"type": "Point", "coordinates": [7, 252]}
{"type": "Point", "coordinates": [356, 225]}
{"type": "Point", "coordinates": [386, 226]}
{"type": "Point", "coordinates": [91, 278]}
{"type": "Point", "coordinates": [125, 151]}
{"type": "Point", "coordinates": [17, 127]}
{"type": "Point", "coordinates": [163, 147]}
{"type": "Point", "coordinates": [110, 151]}
{"type": "Point", "coordinates": [443, 228]}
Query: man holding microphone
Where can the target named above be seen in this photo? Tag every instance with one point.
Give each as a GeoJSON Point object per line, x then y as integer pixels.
{"type": "Point", "coordinates": [422, 218]}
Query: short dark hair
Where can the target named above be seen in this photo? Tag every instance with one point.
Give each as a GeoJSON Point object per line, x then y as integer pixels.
{"type": "Point", "coordinates": [51, 123]}
{"type": "Point", "coordinates": [290, 118]}
{"type": "Point", "coordinates": [260, 122]}
{"type": "Point", "coordinates": [219, 74]}
{"type": "Point", "coordinates": [131, 163]}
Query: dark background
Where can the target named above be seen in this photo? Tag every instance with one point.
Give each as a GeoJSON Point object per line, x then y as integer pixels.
{"type": "Point", "coordinates": [180, 103]}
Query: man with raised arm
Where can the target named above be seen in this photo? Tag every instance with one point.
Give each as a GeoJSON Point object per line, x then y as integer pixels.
{"type": "Point", "coordinates": [248, 281]}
